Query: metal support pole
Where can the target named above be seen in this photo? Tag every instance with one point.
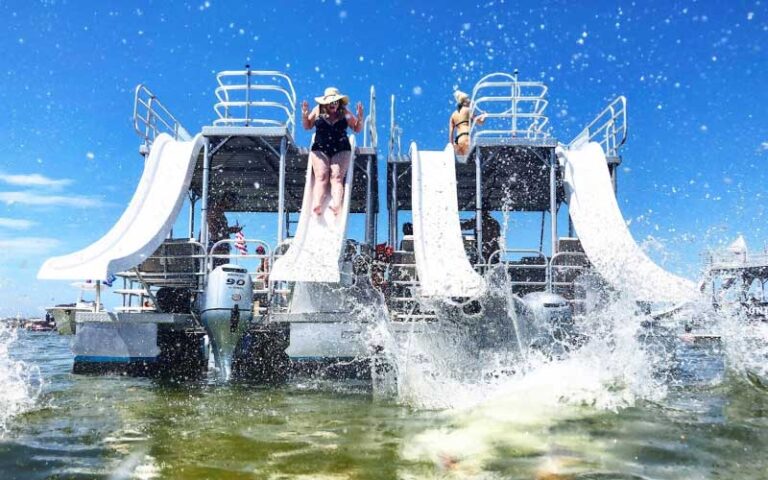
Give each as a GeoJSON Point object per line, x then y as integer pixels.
{"type": "Point", "coordinates": [98, 295]}
{"type": "Point", "coordinates": [204, 203]}
{"type": "Point", "coordinates": [192, 202]}
{"type": "Point", "coordinates": [479, 204]}
{"type": "Point", "coordinates": [247, 95]}
{"type": "Point", "coordinates": [369, 202]}
{"type": "Point", "coordinates": [393, 209]}
{"type": "Point", "coordinates": [515, 95]}
{"type": "Point", "coordinates": [552, 210]}
{"type": "Point", "coordinates": [281, 192]}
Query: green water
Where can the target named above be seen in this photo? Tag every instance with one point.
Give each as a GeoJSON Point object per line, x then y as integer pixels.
{"type": "Point", "coordinates": [118, 427]}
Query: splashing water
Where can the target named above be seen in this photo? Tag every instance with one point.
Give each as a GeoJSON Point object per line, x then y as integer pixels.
{"type": "Point", "coordinates": [20, 383]}
{"type": "Point", "coordinates": [746, 345]}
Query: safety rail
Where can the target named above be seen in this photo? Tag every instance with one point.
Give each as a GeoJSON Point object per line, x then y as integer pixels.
{"type": "Point", "coordinates": [151, 118]}
{"type": "Point", "coordinates": [177, 263]}
{"type": "Point", "coordinates": [563, 275]}
{"type": "Point", "coordinates": [735, 260]}
{"type": "Point", "coordinates": [510, 108]}
{"type": "Point", "coordinates": [395, 150]}
{"type": "Point", "coordinates": [235, 254]}
{"type": "Point", "coordinates": [609, 128]}
{"type": "Point", "coordinates": [263, 293]}
{"type": "Point", "coordinates": [519, 273]}
{"type": "Point", "coordinates": [255, 98]}
{"type": "Point", "coordinates": [370, 135]}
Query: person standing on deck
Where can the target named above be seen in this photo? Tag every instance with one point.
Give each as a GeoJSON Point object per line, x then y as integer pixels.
{"type": "Point", "coordinates": [218, 227]}
{"type": "Point", "coordinates": [458, 125]}
{"type": "Point", "coordinates": [491, 234]}
{"type": "Point", "coordinates": [331, 151]}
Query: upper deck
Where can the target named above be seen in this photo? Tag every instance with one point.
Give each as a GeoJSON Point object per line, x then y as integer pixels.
{"type": "Point", "coordinates": [252, 136]}
{"type": "Point", "coordinates": [514, 148]}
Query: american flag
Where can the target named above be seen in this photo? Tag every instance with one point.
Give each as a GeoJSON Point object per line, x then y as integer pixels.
{"type": "Point", "coordinates": [240, 244]}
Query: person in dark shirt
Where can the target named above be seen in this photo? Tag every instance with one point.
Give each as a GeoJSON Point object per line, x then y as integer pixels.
{"type": "Point", "coordinates": [218, 227]}
{"type": "Point", "coordinates": [491, 234]}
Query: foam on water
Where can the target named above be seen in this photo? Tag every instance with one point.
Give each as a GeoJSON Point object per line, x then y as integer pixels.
{"type": "Point", "coordinates": [20, 383]}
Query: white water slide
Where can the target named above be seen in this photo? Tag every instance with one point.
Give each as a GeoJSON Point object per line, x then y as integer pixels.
{"type": "Point", "coordinates": [315, 250]}
{"type": "Point", "coordinates": [604, 234]}
{"type": "Point", "coordinates": [441, 262]}
{"type": "Point", "coordinates": [146, 221]}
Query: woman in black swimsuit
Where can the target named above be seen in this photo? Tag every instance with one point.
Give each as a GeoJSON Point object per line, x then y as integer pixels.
{"type": "Point", "coordinates": [458, 127]}
{"type": "Point", "coordinates": [331, 151]}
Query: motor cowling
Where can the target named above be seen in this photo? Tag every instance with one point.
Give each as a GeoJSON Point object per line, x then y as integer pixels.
{"type": "Point", "coordinates": [228, 286]}
{"type": "Point", "coordinates": [227, 311]}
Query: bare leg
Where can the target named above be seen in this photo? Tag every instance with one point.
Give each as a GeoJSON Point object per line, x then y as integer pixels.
{"type": "Point", "coordinates": [322, 173]}
{"type": "Point", "coordinates": [462, 147]}
{"type": "Point", "coordinates": [339, 165]}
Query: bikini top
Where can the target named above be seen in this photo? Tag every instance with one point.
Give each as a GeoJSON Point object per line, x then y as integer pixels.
{"type": "Point", "coordinates": [463, 115]}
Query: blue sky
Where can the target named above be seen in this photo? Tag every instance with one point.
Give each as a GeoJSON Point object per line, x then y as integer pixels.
{"type": "Point", "coordinates": [694, 73]}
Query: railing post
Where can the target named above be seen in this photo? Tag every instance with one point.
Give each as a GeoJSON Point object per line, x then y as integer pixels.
{"type": "Point", "coordinates": [552, 211]}
{"type": "Point", "coordinates": [393, 209]}
{"type": "Point", "coordinates": [515, 94]}
{"type": "Point", "coordinates": [192, 202]}
{"type": "Point", "coordinates": [369, 201]}
{"type": "Point", "coordinates": [281, 192]}
{"type": "Point", "coordinates": [247, 95]}
{"type": "Point", "coordinates": [479, 203]}
{"type": "Point", "coordinates": [204, 205]}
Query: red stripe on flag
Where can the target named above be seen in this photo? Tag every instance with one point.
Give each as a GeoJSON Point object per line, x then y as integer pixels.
{"type": "Point", "coordinates": [240, 244]}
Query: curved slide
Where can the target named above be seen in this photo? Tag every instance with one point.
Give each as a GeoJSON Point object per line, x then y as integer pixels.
{"type": "Point", "coordinates": [316, 248]}
{"type": "Point", "coordinates": [441, 262]}
{"type": "Point", "coordinates": [145, 222]}
{"type": "Point", "coordinates": [604, 234]}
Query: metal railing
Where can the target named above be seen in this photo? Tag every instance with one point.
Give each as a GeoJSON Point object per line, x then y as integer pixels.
{"type": "Point", "coordinates": [563, 275]}
{"type": "Point", "coordinates": [151, 118]}
{"type": "Point", "coordinates": [255, 98]}
{"type": "Point", "coordinates": [609, 128]}
{"type": "Point", "coordinates": [370, 135]}
{"type": "Point", "coordinates": [735, 260]}
{"type": "Point", "coordinates": [511, 109]}
{"type": "Point", "coordinates": [233, 254]}
{"type": "Point", "coordinates": [394, 149]}
{"type": "Point", "coordinates": [175, 263]}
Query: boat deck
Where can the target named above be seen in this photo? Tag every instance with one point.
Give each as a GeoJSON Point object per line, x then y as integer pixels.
{"type": "Point", "coordinates": [247, 160]}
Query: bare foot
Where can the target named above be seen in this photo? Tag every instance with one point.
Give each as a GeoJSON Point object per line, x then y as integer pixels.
{"type": "Point", "coordinates": [335, 210]}
{"type": "Point", "coordinates": [318, 210]}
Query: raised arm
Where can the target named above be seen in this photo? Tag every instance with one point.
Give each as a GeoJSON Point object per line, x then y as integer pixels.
{"type": "Point", "coordinates": [307, 117]}
{"type": "Point", "coordinates": [357, 121]}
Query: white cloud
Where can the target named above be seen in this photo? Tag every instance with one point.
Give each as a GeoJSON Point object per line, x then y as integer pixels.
{"type": "Point", "coordinates": [30, 198]}
{"type": "Point", "coordinates": [764, 147]}
{"type": "Point", "coordinates": [28, 245]}
{"type": "Point", "coordinates": [33, 180]}
{"type": "Point", "coordinates": [16, 224]}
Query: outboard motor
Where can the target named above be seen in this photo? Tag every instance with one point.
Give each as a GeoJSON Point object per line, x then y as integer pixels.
{"type": "Point", "coordinates": [227, 312]}
{"type": "Point", "coordinates": [550, 322]}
